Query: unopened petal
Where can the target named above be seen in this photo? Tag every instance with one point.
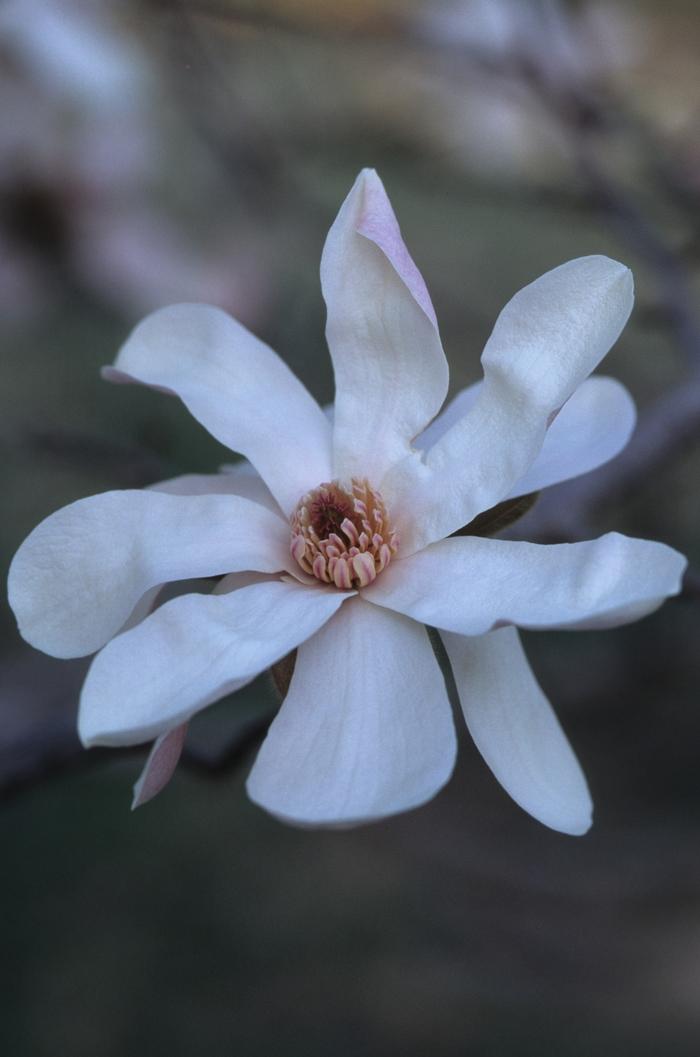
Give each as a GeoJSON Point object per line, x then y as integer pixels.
{"type": "Point", "coordinates": [366, 729]}
{"type": "Point", "coordinates": [516, 731]}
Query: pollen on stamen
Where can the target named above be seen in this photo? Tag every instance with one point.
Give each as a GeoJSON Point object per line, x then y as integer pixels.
{"type": "Point", "coordinates": [342, 534]}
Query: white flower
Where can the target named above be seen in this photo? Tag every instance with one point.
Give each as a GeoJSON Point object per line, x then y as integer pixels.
{"type": "Point", "coordinates": [366, 729]}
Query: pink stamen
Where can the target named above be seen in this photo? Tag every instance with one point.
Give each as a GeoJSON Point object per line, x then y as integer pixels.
{"type": "Point", "coordinates": [342, 535]}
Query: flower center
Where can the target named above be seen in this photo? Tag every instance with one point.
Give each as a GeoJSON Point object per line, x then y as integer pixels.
{"type": "Point", "coordinates": [342, 535]}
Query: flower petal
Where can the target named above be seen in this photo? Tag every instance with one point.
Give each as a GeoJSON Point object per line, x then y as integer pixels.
{"type": "Point", "coordinates": [145, 605]}
{"type": "Point", "coordinates": [593, 426]}
{"type": "Point", "coordinates": [459, 405]}
{"type": "Point", "coordinates": [238, 388]}
{"type": "Point", "coordinates": [516, 731]}
{"type": "Point", "coordinates": [237, 479]}
{"type": "Point", "coordinates": [160, 765]}
{"type": "Point", "coordinates": [366, 729]}
{"type": "Point", "coordinates": [79, 574]}
{"type": "Point", "coordinates": [240, 480]}
{"type": "Point", "coordinates": [390, 371]}
{"type": "Point", "coordinates": [547, 339]}
{"type": "Point", "coordinates": [192, 651]}
{"type": "Point", "coordinates": [470, 585]}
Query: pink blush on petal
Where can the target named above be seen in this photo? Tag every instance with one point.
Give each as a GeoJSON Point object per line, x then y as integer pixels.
{"type": "Point", "coordinates": [160, 765]}
{"type": "Point", "coordinates": [378, 223]}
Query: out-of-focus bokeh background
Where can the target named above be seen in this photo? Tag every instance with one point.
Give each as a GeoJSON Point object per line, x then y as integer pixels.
{"type": "Point", "coordinates": [156, 152]}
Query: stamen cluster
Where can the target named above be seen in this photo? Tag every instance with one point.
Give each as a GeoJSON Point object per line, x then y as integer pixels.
{"type": "Point", "coordinates": [342, 535]}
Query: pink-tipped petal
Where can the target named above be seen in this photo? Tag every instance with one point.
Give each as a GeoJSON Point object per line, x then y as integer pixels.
{"type": "Point", "coordinates": [390, 371]}
{"type": "Point", "coordinates": [377, 222]}
{"type": "Point", "coordinates": [160, 765]}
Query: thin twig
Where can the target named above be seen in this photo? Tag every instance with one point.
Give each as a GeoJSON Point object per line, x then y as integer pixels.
{"type": "Point", "coordinates": [55, 752]}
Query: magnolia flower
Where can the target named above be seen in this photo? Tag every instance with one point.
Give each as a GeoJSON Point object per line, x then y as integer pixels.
{"type": "Point", "coordinates": [336, 538]}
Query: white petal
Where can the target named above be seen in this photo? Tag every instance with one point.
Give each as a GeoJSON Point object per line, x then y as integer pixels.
{"type": "Point", "coordinates": [516, 731]}
{"type": "Point", "coordinates": [238, 388]}
{"type": "Point", "coordinates": [77, 577]}
{"type": "Point", "coordinates": [390, 371]}
{"type": "Point", "coordinates": [366, 729]}
{"type": "Point", "coordinates": [160, 765]}
{"type": "Point", "coordinates": [237, 479]}
{"type": "Point", "coordinates": [192, 651]}
{"type": "Point", "coordinates": [230, 582]}
{"type": "Point", "coordinates": [145, 605]}
{"type": "Point", "coordinates": [546, 341]}
{"type": "Point", "coordinates": [470, 585]}
{"type": "Point", "coordinates": [235, 581]}
{"type": "Point", "coordinates": [241, 480]}
{"type": "Point", "coordinates": [461, 403]}
{"type": "Point", "coordinates": [593, 426]}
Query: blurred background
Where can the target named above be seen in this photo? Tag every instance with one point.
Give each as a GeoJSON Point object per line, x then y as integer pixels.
{"type": "Point", "coordinates": [165, 151]}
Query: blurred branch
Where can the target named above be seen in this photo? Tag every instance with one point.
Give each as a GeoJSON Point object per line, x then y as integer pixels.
{"type": "Point", "coordinates": [129, 465]}
{"type": "Point", "coordinates": [55, 751]}
{"type": "Point", "coordinates": [40, 741]}
{"type": "Point", "coordinates": [643, 239]}
{"type": "Point", "coordinates": [691, 585]}
{"type": "Point", "coordinates": [233, 753]}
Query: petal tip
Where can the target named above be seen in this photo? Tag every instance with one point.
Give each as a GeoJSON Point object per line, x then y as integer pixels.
{"type": "Point", "coordinates": [599, 268]}
{"type": "Point", "coordinates": [568, 819]}
{"type": "Point", "coordinates": [335, 820]}
{"type": "Point", "coordinates": [376, 221]}
{"type": "Point", "coordinates": [575, 818]}
{"type": "Point", "coordinates": [86, 740]}
{"type": "Point", "coordinates": [579, 828]}
{"type": "Point", "coordinates": [614, 271]}
{"type": "Point", "coordinates": [29, 607]}
{"type": "Point", "coordinates": [111, 374]}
